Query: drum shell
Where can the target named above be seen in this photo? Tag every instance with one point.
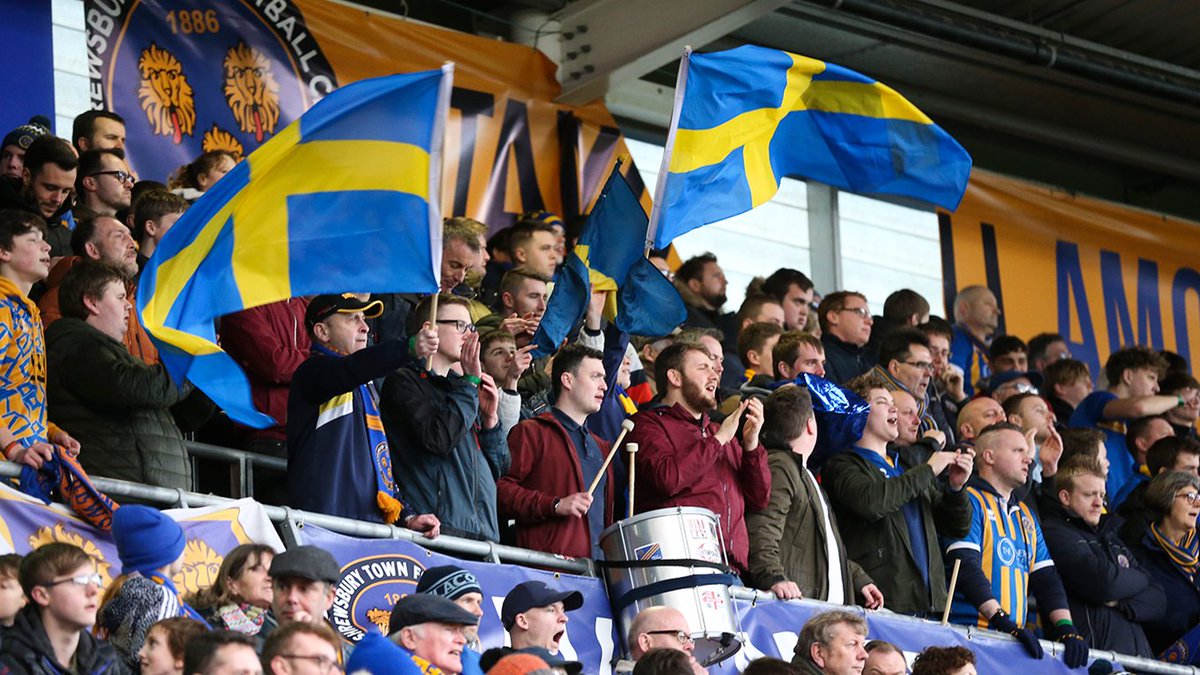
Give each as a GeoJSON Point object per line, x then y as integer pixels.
{"type": "Point", "coordinates": [683, 533]}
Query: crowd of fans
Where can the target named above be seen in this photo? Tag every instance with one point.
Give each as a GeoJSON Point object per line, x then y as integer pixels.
{"type": "Point", "coordinates": [979, 449]}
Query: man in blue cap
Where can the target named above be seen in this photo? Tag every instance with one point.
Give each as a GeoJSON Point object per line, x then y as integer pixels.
{"type": "Point", "coordinates": [535, 615]}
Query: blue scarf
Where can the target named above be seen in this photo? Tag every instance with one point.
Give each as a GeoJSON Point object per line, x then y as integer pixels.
{"type": "Point", "coordinates": [63, 475]}
{"type": "Point", "coordinates": [185, 609]}
{"type": "Point", "coordinates": [381, 456]}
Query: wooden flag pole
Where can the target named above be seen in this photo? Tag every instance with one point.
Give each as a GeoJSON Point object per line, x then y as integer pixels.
{"type": "Point", "coordinates": [433, 322]}
{"type": "Point", "coordinates": [950, 595]}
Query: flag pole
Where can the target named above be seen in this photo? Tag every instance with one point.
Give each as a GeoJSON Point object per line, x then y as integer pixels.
{"type": "Point", "coordinates": [661, 185]}
{"type": "Point", "coordinates": [435, 202]}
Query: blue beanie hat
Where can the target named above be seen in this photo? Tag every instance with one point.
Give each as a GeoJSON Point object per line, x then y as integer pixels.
{"type": "Point", "coordinates": [146, 538]}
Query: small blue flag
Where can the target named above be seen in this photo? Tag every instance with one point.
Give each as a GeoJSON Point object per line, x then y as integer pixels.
{"type": "Point", "coordinates": [609, 257]}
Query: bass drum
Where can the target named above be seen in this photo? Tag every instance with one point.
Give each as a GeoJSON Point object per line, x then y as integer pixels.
{"type": "Point", "coordinates": [674, 558]}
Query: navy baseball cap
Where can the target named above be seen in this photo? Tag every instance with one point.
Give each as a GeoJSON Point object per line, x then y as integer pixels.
{"type": "Point", "coordinates": [527, 595]}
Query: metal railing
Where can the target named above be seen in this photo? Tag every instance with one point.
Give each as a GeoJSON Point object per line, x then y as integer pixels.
{"type": "Point", "coordinates": [291, 523]}
{"type": "Point", "coordinates": [1052, 649]}
{"type": "Point", "coordinates": [242, 465]}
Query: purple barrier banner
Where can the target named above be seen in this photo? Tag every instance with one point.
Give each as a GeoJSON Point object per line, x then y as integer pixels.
{"type": "Point", "coordinates": [378, 572]}
{"type": "Point", "coordinates": [773, 628]}
{"type": "Point", "coordinates": [26, 523]}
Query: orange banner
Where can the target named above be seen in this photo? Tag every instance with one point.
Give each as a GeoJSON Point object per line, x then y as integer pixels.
{"type": "Point", "coordinates": [1101, 274]}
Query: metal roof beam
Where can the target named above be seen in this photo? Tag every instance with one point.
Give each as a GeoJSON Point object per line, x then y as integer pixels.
{"type": "Point", "coordinates": [605, 42]}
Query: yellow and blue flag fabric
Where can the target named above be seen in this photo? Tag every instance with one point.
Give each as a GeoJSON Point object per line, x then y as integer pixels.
{"type": "Point", "coordinates": [343, 199]}
{"type": "Point", "coordinates": [746, 117]}
{"type": "Point", "coordinates": [609, 257]}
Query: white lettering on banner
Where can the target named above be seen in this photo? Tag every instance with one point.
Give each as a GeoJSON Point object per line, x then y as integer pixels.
{"type": "Point", "coordinates": [785, 642]}
{"type": "Point", "coordinates": [101, 19]}
{"type": "Point", "coordinates": [604, 635]}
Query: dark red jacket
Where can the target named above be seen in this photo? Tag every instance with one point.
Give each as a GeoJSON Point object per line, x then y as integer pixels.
{"type": "Point", "coordinates": [544, 468]}
{"type": "Point", "coordinates": [269, 342]}
{"type": "Point", "coordinates": [681, 463]}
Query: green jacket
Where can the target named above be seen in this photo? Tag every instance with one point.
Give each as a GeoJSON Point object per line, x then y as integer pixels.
{"type": "Point", "coordinates": [868, 507]}
{"type": "Point", "coordinates": [787, 539]}
{"type": "Point", "coordinates": [116, 406]}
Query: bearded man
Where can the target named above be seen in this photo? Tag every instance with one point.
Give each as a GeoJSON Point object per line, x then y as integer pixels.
{"type": "Point", "coordinates": [685, 459]}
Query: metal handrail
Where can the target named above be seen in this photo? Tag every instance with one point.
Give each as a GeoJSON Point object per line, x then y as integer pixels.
{"type": "Point", "coordinates": [482, 550]}
{"type": "Point", "coordinates": [291, 520]}
{"type": "Point", "coordinates": [1135, 663]}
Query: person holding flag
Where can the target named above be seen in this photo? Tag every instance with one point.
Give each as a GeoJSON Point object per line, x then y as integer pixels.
{"type": "Point", "coordinates": [335, 436]}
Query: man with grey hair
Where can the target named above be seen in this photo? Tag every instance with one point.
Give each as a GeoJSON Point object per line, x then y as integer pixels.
{"type": "Point", "coordinates": [832, 643]}
{"type": "Point", "coordinates": [432, 628]}
{"type": "Point", "coordinates": [976, 319]}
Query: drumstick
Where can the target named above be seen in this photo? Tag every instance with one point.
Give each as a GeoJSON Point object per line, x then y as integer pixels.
{"type": "Point", "coordinates": [626, 427]}
{"type": "Point", "coordinates": [633, 448]}
{"type": "Point", "coordinates": [432, 322]}
{"type": "Point", "coordinates": [950, 595]}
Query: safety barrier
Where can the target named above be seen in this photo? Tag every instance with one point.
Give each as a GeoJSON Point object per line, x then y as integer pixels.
{"type": "Point", "coordinates": [290, 521]}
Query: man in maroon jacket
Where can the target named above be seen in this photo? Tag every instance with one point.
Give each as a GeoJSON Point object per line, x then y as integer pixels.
{"type": "Point", "coordinates": [685, 459]}
{"type": "Point", "coordinates": [554, 460]}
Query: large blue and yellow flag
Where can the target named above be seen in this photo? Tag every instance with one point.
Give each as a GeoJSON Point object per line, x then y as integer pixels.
{"type": "Point", "coordinates": [609, 257]}
{"type": "Point", "coordinates": [746, 117]}
{"type": "Point", "coordinates": [343, 199]}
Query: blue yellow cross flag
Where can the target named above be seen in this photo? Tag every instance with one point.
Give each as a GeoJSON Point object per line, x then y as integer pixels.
{"type": "Point", "coordinates": [343, 199]}
{"type": "Point", "coordinates": [610, 257]}
{"type": "Point", "coordinates": [746, 117]}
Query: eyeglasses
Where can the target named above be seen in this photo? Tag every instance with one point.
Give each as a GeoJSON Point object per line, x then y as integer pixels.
{"type": "Point", "coordinates": [81, 580]}
{"type": "Point", "coordinates": [324, 663]}
{"type": "Point", "coordinates": [923, 365]}
{"type": "Point", "coordinates": [682, 636]}
{"type": "Point", "coordinates": [1191, 497]}
{"type": "Point", "coordinates": [862, 312]}
{"type": "Point", "coordinates": [459, 325]}
{"type": "Point", "coordinates": [122, 176]}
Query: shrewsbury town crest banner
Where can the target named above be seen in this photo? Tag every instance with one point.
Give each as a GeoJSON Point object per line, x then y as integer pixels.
{"type": "Point", "coordinates": [192, 76]}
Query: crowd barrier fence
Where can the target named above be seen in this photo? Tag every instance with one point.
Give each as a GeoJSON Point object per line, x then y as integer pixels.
{"type": "Point", "coordinates": [290, 522]}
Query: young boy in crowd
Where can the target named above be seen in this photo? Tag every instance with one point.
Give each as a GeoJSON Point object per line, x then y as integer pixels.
{"type": "Point", "coordinates": [162, 652]}
{"type": "Point", "coordinates": [12, 598]}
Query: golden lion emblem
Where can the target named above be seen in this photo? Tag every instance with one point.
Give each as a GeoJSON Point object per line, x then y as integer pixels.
{"type": "Point", "coordinates": [251, 90]}
{"type": "Point", "coordinates": [217, 138]}
{"type": "Point", "coordinates": [380, 617]}
{"type": "Point", "coordinates": [46, 535]}
{"type": "Point", "coordinates": [200, 566]}
{"type": "Point", "coordinates": [165, 94]}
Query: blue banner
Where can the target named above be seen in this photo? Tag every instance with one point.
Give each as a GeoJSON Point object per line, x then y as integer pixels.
{"type": "Point", "coordinates": [773, 628]}
{"type": "Point", "coordinates": [378, 572]}
{"type": "Point", "coordinates": [27, 46]}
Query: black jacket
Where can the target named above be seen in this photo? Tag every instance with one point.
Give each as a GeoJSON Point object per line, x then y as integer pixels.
{"type": "Point", "coordinates": [869, 513]}
{"type": "Point", "coordinates": [1183, 611]}
{"type": "Point", "coordinates": [1097, 569]}
{"type": "Point", "coordinates": [844, 361]}
{"type": "Point", "coordinates": [27, 650]}
{"type": "Point", "coordinates": [116, 406]}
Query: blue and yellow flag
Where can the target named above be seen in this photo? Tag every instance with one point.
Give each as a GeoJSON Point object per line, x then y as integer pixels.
{"type": "Point", "coordinates": [746, 117]}
{"type": "Point", "coordinates": [343, 199]}
{"type": "Point", "coordinates": [609, 257]}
